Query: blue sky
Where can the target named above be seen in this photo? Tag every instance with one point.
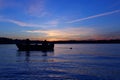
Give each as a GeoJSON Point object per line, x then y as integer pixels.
{"type": "Point", "coordinates": [60, 19]}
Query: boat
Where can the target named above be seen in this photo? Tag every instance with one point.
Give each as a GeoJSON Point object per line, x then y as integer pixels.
{"type": "Point", "coordinates": [35, 47]}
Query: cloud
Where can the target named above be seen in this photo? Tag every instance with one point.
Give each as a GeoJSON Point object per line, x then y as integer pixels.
{"type": "Point", "coordinates": [49, 24]}
{"type": "Point", "coordinates": [94, 16]}
{"type": "Point", "coordinates": [71, 33]}
{"type": "Point", "coordinates": [109, 35]}
{"type": "Point", "coordinates": [37, 8]}
{"type": "Point", "coordinates": [53, 23]}
{"type": "Point", "coordinates": [23, 23]}
{"type": "Point", "coordinates": [20, 23]}
{"type": "Point", "coordinates": [32, 7]}
{"type": "Point", "coordinates": [64, 34]}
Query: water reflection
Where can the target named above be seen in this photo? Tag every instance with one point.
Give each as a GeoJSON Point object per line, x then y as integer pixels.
{"type": "Point", "coordinates": [82, 62]}
{"type": "Point", "coordinates": [26, 55]}
{"type": "Point", "coordinates": [32, 56]}
{"type": "Point", "coordinates": [44, 53]}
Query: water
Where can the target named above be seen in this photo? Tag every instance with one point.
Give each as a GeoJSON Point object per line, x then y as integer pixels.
{"type": "Point", "coordinates": [82, 62]}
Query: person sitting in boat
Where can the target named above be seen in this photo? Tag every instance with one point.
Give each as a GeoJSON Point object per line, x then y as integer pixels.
{"type": "Point", "coordinates": [27, 42]}
{"type": "Point", "coordinates": [45, 43]}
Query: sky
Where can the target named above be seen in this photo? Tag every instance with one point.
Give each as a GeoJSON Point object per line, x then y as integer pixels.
{"type": "Point", "coordinates": [54, 20]}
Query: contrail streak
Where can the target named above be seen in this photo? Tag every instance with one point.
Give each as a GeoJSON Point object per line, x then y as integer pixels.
{"type": "Point", "coordinates": [94, 16]}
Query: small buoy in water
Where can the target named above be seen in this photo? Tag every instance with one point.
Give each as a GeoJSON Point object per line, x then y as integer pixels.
{"type": "Point", "coordinates": [71, 48]}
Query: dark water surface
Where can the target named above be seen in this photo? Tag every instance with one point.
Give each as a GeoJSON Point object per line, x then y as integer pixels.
{"type": "Point", "coordinates": [82, 62]}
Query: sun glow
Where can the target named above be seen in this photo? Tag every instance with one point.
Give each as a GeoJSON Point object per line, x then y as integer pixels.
{"type": "Point", "coordinates": [64, 34]}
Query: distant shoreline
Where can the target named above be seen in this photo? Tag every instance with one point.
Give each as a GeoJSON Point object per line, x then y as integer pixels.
{"type": "Point", "coordinates": [15, 41]}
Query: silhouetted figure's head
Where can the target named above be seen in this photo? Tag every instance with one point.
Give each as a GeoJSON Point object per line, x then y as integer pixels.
{"type": "Point", "coordinates": [45, 43]}
{"type": "Point", "coordinates": [45, 40]}
{"type": "Point", "coordinates": [27, 41]}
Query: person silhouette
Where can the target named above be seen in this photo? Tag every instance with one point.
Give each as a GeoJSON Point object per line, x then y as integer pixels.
{"type": "Point", "coordinates": [27, 44]}
{"type": "Point", "coordinates": [45, 43]}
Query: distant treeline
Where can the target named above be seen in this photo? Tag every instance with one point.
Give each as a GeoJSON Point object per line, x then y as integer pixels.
{"type": "Point", "coordinates": [14, 41]}
{"type": "Point", "coordinates": [114, 41]}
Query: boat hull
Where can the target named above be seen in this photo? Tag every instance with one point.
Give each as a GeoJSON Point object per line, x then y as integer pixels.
{"type": "Point", "coordinates": [22, 47]}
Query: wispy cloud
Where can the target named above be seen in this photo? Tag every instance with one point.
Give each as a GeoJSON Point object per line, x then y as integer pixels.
{"type": "Point", "coordinates": [31, 8]}
{"type": "Point", "coordinates": [23, 23]}
{"type": "Point", "coordinates": [71, 33]}
{"type": "Point", "coordinates": [20, 23]}
{"type": "Point", "coordinates": [65, 34]}
{"type": "Point", "coordinates": [53, 22]}
{"type": "Point", "coordinates": [94, 16]}
{"type": "Point", "coordinates": [37, 8]}
{"type": "Point", "coordinates": [109, 35]}
{"type": "Point", "coordinates": [50, 24]}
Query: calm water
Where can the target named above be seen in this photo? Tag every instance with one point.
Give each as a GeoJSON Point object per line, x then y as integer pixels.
{"type": "Point", "coordinates": [83, 62]}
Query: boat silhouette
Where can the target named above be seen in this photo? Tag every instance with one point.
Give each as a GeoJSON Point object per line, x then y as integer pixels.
{"type": "Point", "coordinates": [45, 46]}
